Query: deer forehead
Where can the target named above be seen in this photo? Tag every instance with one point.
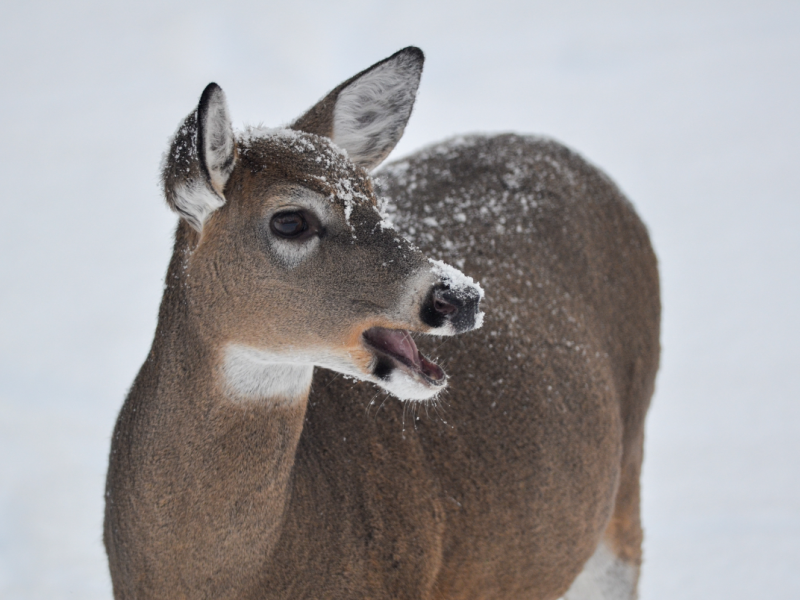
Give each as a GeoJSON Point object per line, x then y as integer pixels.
{"type": "Point", "coordinates": [311, 161]}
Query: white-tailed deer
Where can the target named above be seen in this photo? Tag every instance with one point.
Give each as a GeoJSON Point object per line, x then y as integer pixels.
{"type": "Point", "coordinates": [234, 474]}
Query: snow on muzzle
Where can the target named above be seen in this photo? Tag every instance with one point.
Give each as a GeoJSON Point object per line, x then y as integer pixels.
{"type": "Point", "coordinates": [452, 305]}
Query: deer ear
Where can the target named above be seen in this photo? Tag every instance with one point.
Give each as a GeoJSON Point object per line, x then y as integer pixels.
{"type": "Point", "coordinates": [200, 159]}
{"type": "Point", "coordinates": [367, 114]}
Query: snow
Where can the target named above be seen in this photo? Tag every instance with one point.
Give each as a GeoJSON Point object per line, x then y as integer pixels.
{"type": "Point", "coordinates": [288, 136]}
{"type": "Point", "coordinates": [690, 106]}
{"type": "Point", "coordinates": [459, 283]}
{"type": "Point", "coordinates": [335, 159]}
{"type": "Point", "coordinates": [292, 137]}
{"type": "Point", "coordinates": [386, 220]}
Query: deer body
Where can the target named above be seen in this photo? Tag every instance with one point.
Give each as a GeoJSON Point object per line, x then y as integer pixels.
{"type": "Point", "coordinates": [542, 459]}
{"type": "Point", "coordinates": [233, 475]}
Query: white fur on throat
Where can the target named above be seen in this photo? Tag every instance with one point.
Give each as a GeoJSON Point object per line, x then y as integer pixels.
{"type": "Point", "coordinates": [371, 113]}
{"type": "Point", "coordinates": [604, 577]}
{"type": "Point", "coordinates": [283, 379]}
{"type": "Point", "coordinates": [253, 374]}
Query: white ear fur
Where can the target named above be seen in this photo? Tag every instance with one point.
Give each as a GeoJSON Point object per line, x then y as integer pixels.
{"type": "Point", "coordinates": [371, 113]}
{"type": "Point", "coordinates": [215, 137]}
{"type": "Point", "coordinates": [200, 160]}
{"type": "Point", "coordinates": [194, 201]}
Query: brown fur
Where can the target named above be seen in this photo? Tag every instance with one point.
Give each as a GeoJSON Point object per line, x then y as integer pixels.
{"type": "Point", "coordinates": [501, 490]}
{"type": "Point", "coordinates": [568, 353]}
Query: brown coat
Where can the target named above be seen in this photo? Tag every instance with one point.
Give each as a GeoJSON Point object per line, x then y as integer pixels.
{"type": "Point", "coordinates": [503, 487]}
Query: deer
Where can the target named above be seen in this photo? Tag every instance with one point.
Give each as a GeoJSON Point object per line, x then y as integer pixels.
{"type": "Point", "coordinates": [333, 408]}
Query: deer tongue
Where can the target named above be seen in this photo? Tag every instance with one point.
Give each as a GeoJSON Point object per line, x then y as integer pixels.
{"type": "Point", "coordinates": [395, 342]}
{"type": "Point", "coordinates": [399, 344]}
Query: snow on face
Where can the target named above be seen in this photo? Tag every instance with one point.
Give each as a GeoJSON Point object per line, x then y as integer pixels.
{"type": "Point", "coordinates": [322, 164]}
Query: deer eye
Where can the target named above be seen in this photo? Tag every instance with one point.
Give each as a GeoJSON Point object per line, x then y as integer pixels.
{"type": "Point", "coordinates": [290, 225]}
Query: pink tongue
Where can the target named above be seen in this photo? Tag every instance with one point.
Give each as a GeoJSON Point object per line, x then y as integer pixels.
{"type": "Point", "coordinates": [396, 341]}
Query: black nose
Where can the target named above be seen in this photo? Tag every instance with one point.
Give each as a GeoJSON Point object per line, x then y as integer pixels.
{"type": "Point", "coordinates": [457, 307]}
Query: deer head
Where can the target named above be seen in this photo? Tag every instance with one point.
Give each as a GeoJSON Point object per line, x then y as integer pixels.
{"type": "Point", "coordinates": [286, 260]}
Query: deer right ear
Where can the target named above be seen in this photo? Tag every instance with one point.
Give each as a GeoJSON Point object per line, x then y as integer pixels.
{"type": "Point", "coordinates": [367, 114]}
{"type": "Point", "coordinates": [200, 159]}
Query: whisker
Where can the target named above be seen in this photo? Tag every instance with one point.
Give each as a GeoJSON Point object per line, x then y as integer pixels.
{"type": "Point", "coordinates": [371, 403]}
{"type": "Point", "coordinates": [332, 380]}
{"type": "Point", "coordinates": [381, 406]}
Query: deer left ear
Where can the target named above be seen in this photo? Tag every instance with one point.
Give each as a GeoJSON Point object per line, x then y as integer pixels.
{"type": "Point", "coordinates": [215, 145]}
{"type": "Point", "coordinates": [367, 114]}
{"type": "Point", "coordinates": [200, 159]}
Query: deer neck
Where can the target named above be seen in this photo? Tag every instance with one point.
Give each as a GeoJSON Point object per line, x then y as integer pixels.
{"type": "Point", "coordinates": [215, 370]}
{"type": "Point", "coordinates": [200, 424]}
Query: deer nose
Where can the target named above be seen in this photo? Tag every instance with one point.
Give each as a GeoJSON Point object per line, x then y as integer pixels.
{"type": "Point", "coordinates": [459, 308]}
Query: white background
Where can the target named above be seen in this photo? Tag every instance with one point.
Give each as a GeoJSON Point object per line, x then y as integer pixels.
{"type": "Point", "coordinates": [693, 107]}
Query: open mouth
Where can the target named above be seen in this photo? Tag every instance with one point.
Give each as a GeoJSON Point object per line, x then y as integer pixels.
{"type": "Point", "coordinates": [395, 349]}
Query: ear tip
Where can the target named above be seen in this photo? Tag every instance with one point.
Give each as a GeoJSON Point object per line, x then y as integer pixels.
{"type": "Point", "coordinates": [212, 91]}
{"type": "Point", "coordinates": [413, 53]}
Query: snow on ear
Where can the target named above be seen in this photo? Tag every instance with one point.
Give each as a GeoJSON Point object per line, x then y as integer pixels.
{"type": "Point", "coordinates": [367, 114]}
{"type": "Point", "coordinates": [200, 159]}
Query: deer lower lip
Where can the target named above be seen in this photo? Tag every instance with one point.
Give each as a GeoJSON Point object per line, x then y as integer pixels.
{"type": "Point", "coordinates": [398, 346]}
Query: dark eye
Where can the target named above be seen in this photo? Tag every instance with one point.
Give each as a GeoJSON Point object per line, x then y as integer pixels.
{"type": "Point", "coordinates": [289, 224]}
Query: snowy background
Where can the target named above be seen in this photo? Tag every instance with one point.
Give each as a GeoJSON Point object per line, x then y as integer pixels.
{"type": "Point", "coordinates": [693, 107]}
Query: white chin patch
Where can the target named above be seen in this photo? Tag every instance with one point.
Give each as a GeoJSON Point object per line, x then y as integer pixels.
{"type": "Point", "coordinates": [445, 330]}
{"type": "Point", "coordinates": [405, 387]}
